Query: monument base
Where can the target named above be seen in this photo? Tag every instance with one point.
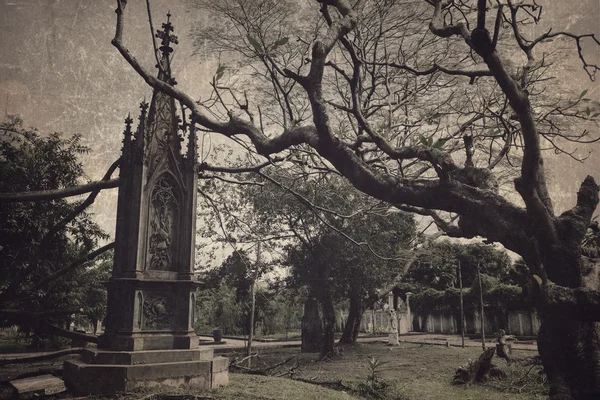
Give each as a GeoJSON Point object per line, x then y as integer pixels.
{"type": "Point", "coordinates": [393, 339]}
{"type": "Point", "coordinates": [109, 372]}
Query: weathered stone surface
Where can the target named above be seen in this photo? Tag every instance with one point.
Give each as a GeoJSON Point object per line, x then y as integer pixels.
{"type": "Point", "coordinates": [38, 385]}
{"type": "Point", "coordinates": [95, 356]}
{"type": "Point", "coordinates": [83, 378]}
{"type": "Point", "coordinates": [220, 364]}
{"type": "Point", "coordinates": [220, 379]}
{"type": "Point", "coordinates": [220, 372]}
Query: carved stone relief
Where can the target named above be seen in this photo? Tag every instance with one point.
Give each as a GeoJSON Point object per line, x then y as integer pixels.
{"type": "Point", "coordinates": [163, 215]}
{"type": "Point", "coordinates": [159, 132]}
{"type": "Point", "coordinates": [159, 310]}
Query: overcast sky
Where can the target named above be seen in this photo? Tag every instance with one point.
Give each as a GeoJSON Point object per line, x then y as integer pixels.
{"type": "Point", "coordinates": [60, 73]}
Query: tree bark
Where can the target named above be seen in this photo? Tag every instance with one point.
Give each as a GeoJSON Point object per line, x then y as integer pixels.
{"type": "Point", "coordinates": [569, 351]}
{"type": "Point", "coordinates": [327, 348]}
{"type": "Point", "coordinates": [58, 193]}
{"type": "Point", "coordinates": [478, 371]}
{"type": "Point", "coordinates": [569, 347]}
{"type": "Point", "coordinates": [352, 328]}
{"type": "Point", "coordinates": [311, 326]}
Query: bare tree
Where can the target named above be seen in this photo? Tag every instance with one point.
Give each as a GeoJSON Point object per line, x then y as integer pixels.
{"type": "Point", "coordinates": [373, 155]}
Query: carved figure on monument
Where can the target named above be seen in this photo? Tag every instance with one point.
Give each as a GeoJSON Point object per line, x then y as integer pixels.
{"type": "Point", "coordinates": [157, 311]}
{"type": "Point", "coordinates": [163, 214]}
{"type": "Point", "coordinates": [159, 132]}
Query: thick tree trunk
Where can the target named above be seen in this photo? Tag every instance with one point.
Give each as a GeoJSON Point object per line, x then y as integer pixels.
{"type": "Point", "coordinates": [568, 340]}
{"type": "Point", "coordinates": [312, 332]}
{"type": "Point", "coordinates": [350, 333]}
{"type": "Point", "coordinates": [328, 344]}
{"type": "Point", "coordinates": [570, 353]}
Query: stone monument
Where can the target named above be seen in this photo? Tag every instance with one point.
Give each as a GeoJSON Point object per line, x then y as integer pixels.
{"type": "Point", "coordinates": [149, 337]}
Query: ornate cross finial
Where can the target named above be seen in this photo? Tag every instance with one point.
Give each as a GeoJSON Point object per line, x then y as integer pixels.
{"type": "Point", "coordinates": [167, 37]}
{"type": "Point", "coordinates": [143, 109]}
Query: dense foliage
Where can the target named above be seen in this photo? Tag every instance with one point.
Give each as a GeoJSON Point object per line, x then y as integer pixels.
{"type": "Point", "coordinates": [437, 268]}
{"type": "Point", "coordinates": [433, 279]}
{"type": "Point", "coordinates": [31, 248]}
{"type": "Point", "coordinates": [224, 300]}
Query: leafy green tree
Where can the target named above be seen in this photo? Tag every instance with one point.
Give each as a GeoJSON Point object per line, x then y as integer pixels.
{"type": "Point", "coordinates": [217, 308]}
{"type": "Point", "coordinates": [334, 265]}
{"type": "Point", "coordinates": [438, 267]}
{"type": "Point", "coordinates": [43, 244]}
{"type": "Point", "coordinates": [90, 291]}
{"type": "Point", "coordinates": [236, 274]}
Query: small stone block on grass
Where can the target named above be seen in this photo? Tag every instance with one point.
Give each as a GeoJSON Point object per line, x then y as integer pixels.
{"type": "Point", "coordinates": [38, 385]}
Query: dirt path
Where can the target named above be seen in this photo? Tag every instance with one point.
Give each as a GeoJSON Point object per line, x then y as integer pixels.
{"type": "Point", "coordinates": [417, 338]}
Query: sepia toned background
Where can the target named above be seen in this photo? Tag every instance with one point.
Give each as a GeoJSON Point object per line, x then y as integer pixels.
{"type": "Point", "coordinates": [60, 73]}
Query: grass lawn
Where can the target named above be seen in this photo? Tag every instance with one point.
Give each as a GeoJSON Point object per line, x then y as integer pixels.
{"type": "Point", "coordinates": [412, 371]}
{"type": "Point", "coordinates": [415, 372]}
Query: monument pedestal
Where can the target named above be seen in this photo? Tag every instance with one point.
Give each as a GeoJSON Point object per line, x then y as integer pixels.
{"type": "Point", "coordinates": [109, 372]}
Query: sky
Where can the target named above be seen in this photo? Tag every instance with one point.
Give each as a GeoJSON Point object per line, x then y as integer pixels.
{"type": "Point", "coordinates": [60, 73]}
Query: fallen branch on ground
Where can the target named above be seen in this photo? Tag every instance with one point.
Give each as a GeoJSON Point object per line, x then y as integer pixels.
{"type": "Point", "coordinates": [477, 371]}
{"type": "Point", "coordinates": [339, 386]}
{"type": "Point", "coordinates": [263, 371]}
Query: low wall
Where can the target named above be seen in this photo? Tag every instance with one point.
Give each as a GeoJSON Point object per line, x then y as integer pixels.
{"type": "Point", "coordinates": [379, 321]}
{"type": "Point", "coordinates": [519, 323]}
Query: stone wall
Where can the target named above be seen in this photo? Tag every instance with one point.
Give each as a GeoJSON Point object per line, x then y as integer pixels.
{"type": "Point", "coordinates": [379, 322]}
{"type": "Point", "coordinates": [519, 323]}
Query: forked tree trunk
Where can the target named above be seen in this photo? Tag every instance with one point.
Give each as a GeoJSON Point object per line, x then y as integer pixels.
{"type": "Point", "coordinates": [312, 332]}
{"type": "Point", "coordinates": [350, 333]}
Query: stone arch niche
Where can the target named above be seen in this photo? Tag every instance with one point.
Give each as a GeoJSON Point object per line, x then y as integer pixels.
{"type": "Point", "coordinates": [163, 219]}
{"type": "Point", "coordinates": [138, 310]}
{"type": "Point", "coordinates": [192, 312]}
